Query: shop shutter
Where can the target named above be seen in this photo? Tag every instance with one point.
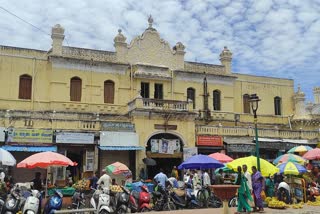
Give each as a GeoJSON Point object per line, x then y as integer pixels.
{"type": "Point", "coordinates": [25, 87]}
{"type": "Point", "coordinates": [108, 91]}
{"type": "Point", "coordinates": [75, 89]}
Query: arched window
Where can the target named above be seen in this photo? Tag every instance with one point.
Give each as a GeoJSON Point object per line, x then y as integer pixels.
{"type": "Point", "coordinates": [75, 89]}
{"type": "Point", "coordinates": [108, 91]}
{"type": "Point", "coordinates": [246, 103]}
{"type": "Point", "coordinates": [216, 100]}
{"type": "Point", "coordinates": [191, 94]}
{"type": "Point", "coordinates": [277, 105]}
{"type": "Point", "coordinates": [25, 87]}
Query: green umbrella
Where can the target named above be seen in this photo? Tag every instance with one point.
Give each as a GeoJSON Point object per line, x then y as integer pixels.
{"type": "Point", "coordinates": [224, 169]}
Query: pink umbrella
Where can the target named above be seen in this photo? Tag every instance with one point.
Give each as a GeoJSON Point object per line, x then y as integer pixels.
{"type": "Point", "coordinates": [45, 160]}
{"type": "Point", "coordinates": [313, 154]}
{"type": "Point", "coordinates": [221, 157]}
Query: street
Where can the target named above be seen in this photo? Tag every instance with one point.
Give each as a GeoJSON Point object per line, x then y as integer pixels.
{"type": "Point", "coordinates": [305, 210]}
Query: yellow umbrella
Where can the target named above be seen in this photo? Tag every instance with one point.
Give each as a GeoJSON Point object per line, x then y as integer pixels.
{"type": "Point", "coordinates": [266, 167]}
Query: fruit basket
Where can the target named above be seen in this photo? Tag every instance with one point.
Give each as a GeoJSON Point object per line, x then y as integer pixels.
{"type": "Point", "coordinates": [82, 185]}
{"type": "Point", "coordinates": [115, 188]}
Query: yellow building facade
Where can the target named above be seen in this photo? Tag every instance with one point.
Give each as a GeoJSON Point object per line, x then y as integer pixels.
{"type": "Point", "coordinates": [141, 101]}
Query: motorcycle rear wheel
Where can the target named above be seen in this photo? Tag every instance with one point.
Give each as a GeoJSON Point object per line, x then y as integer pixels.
{"type": "Point", "coordinates": [145, 210]}
{"type": "Point", "coordinates": [121, 211]}
{"type": "Point", "coordinates": [233, 202]}
{"type": "Point", "coordinates": [169, 206]}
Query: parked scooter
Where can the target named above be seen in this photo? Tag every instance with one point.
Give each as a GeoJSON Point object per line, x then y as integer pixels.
{"type": "Point", "coordinates": [100, 201]}
{"type": "Point", "coordinates": [140, 201]}
{"type": "Point", "coordinates": [54, 203]}
{"type": "Point", "coordinates": [13, 202]}
{"type": "Point", "coordinates": [184, 198]}
{"type": "Point", "coordinates": [122, 201]}
{"type": "Point", "coordinates": [33, 203]}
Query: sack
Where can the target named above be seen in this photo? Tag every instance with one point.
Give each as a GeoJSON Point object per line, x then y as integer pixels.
{"type": "Point", "coordinates": [263, 195]}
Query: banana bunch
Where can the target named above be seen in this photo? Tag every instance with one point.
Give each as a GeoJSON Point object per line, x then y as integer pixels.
{"type": "Point", "coordinates": [314, 203]}
{"type": "Point", "coordinates": [115, 188]}
{"type": "Point", "coordinates": [81, 184]}
{"type": "Point", "coordinates": [298, 206]}
{"type": "Point", "coordinates": [275, 203]}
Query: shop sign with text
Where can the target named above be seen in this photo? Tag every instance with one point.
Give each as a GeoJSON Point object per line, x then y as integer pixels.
{"type": "Point", "coordinates": [30, 135]}
{"type": "Point", "coordinates": [205, 140]}
{"type": "Point", "coordinates": [75, 138]}
{"type": "Point", "coordinates": [117, 126]}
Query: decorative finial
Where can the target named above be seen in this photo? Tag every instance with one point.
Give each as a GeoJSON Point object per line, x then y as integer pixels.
{"type": "Point", "coordinates": [119, 31]}
{"type": "Point", "coordinates": [150, 20]}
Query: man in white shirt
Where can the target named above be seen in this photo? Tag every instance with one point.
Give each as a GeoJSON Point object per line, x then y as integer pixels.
{"type": "Point", "coordinates": [206, 178]}
{"type": "Point", "coordinates": [104, 180]}
{"type": "Point", "coordinates": [248, 176]}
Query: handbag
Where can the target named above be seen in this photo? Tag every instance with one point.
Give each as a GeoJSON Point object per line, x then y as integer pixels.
{"type": "Point", "coordinates": [263, 195]}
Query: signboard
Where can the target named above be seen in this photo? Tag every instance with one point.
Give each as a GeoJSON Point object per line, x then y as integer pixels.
{"type": "Point", "coordinates": [165, 146]}
{"type": "Point", "coordinates": [30, 135]}
{"type": "Point", "coordinates": [119, 139]}
{"type": "Point", "coordinates": [189, 152]}
{"type": "Point", "coordinates": [2, 134]}
{"type": "Point", "coordinates": [205, 140]}
{"type": "Point", "coordinates": [241, 148]}
{"type": "Point", "coordinates": [117, 126]}
{"type": "Point", "coordinates": [75, 138]}
{"type": "Point", "coordinates": [165, 127]}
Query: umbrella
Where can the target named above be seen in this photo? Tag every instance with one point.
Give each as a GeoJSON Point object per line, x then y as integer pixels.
{"type": "Point", "coordinates": [224, 169]}
{"type": "Point", "coordinates": [117, 168]}
{"type": "Point", "coordinates": [300, 149]}
{"type": "Point", "coordinates": [289, 157]}
{"type": "Point", "coordinates": [44, 160]}
{"type": "Point", "coordinates": [200, 162]}
{"type": "Point", "coordinates": [221, 157]}
{"type": "Point", "coordinates": [313, 154]}
{"type": "Point", "coordinates": [265, 167]}
{"type": "Point", "coordinates": [6, 158]}
{"type": "Point", "coordinates": [149, 161]}
{"type": "Point", "coordinates": [291, 168]}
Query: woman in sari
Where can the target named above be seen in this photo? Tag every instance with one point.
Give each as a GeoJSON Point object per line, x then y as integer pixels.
{"type": "Point", "coordinates": [257, 187]}
{"type": "Point", "coordinates": [243, 193]}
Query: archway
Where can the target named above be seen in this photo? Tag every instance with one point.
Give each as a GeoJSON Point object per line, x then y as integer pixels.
{"type": "Point", "coordinates": [167, 150]}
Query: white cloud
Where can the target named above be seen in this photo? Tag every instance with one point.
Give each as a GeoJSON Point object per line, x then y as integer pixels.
{"type": "Point", "coordinates": [278, 38]}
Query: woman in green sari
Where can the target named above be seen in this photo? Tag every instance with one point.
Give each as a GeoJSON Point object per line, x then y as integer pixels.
{"type": "Point", "coordinates": [243, 193]}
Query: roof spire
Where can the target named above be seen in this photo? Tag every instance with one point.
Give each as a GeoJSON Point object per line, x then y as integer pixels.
{"type": "Point", "coordinates": [150, 20]}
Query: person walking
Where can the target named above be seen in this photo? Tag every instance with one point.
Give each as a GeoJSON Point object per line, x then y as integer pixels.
{"type": "Point", "coordinates": [244, 193]}
{"type": "Point", "coordinates": [206, 178]}
{"type": "Point", "coordinates": [257, 187]}
{"type": "Point", "coordinates": [161, 178]}
{"type": "Point", "coordinates": [104, 180]}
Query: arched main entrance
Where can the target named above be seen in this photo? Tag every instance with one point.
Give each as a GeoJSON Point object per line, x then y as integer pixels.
{"type": "Point", "coordinates": [167, 150]}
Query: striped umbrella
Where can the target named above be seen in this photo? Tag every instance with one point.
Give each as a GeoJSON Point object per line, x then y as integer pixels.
{"type": "Point", "coordinates": [291, 168]}
{"type": "Point", "coordinates": [300, 149]}
{"type": "Point", "coordinates": [117, 168]}
{"type": "Point", "coordinates": [289, 157]}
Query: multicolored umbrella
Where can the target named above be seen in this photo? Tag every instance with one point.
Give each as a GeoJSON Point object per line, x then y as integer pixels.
{"type": "Point", "coordinates": [291, 168]}
{"type": "Point", "coordinates": [313, 154]}
{"type": "Point", "coordinates": [266, 167]}
{"type": "Point", "coordinates": [117, 168]}
{"type": "Point", "coordinates": [300, 149]}
{"type": "Point", "coordinates": [221, 157]}
{"type": "Point", "coordinates": [289, 157]}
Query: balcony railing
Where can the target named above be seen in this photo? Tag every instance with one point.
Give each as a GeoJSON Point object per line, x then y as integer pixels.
{"type": "Point", "coordinates": [160, 105]}
{"type": "Point", "coordinates": [268, 133]}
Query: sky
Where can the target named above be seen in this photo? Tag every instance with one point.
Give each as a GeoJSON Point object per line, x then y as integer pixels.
{"type": "Point", "coordinates": [279, 38]}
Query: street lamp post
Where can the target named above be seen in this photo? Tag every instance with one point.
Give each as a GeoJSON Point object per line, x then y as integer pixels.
{"type": "Point", "coordinates": [254, 101]}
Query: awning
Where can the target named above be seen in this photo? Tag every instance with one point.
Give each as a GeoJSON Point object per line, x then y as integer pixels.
{"type": "Point", "coordinates": [121, 148]}
{"type": "Point", "coordinates": [30, 148]}
{"type": "Point", "coordinates": [294, 141]}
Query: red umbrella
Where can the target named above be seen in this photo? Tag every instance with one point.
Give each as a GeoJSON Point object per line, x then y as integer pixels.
{"type": "Point", "coordinates": [313, 154]}
{"type": "Point", "coordinates": [221, 157]}
{"type": "Point", "coordinates": [44, 160]}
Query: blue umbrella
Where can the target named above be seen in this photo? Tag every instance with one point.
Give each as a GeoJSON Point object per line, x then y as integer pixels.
{"type": "Point", "coordinates": [200, 162]}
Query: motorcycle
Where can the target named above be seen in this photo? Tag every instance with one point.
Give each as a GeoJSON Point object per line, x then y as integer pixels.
{"type": "Point", "coordinates": [140, 201]}
{"type": "Point", "coordinates": [184, 198]}
{"type": "Point", "coordinates": [100, 201]}
{"type": "Point", "coordinates": [33, 203]}
{"type": "Point", "coordinates": [13, 202]}
{"type": "Point", "coordinates": [161, 200]}
{"type": "Point", "coordinates": [78, 200]}
{"type": "Point", "coordinates": [122, 201]}
{"type": "Point", "coordinates": [54, 203]}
